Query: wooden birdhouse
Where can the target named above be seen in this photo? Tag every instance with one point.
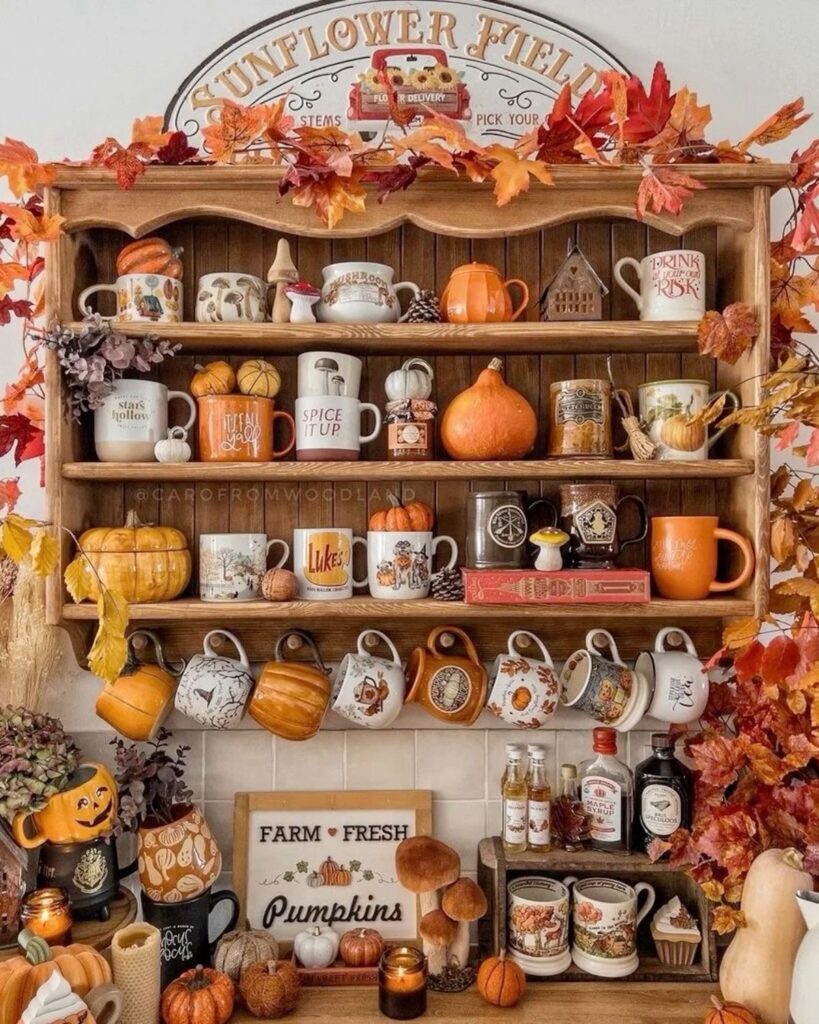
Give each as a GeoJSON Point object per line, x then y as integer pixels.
{"type": "Point", "coordinates": [14, 879]}
{"type": "Point", "coordinates": [575, 292]}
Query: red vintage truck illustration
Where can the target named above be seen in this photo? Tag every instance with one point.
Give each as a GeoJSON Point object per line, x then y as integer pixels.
{"type": "Point", "coordinates": [420, 77]}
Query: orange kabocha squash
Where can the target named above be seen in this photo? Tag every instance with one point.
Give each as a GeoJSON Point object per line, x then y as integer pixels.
{"type": "Point", "coordinates": [150, 256]}
{"type": "Point", "coordinates": [291, 697]}
{"type": "Point", "coordinates": [414, 516]}
{"type": "Point", "coordinates": [81, 966]}
{"type": "Point", "coordinates": [200, 996]}
{"type": "Point", "coordinates": [500, 981]}
{"type": "Point", "coordinates": [490, 420]}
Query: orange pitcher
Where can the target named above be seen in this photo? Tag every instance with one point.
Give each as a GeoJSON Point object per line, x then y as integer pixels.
{"type": "Point", "coordinates": [684, 557]}
{"type": "Point", "coordinates": [476, 293]}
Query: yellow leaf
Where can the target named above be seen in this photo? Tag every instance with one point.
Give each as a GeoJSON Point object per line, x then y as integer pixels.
{"type": "Point", "coordinates": [45, 553]}
{"type": "Point", "coordinates": [113, 611]}
{"type": "Point", "coordinates": [16, 536]}
{"type": "Point", "coordinates": [76, 577]}
{"type": "Point", "coordinates": [107, 655]}
{"type": "Point", "coordinates": [511, 173]}
{"type": "Point", "coordinates": [713, 890]}
{"type": "Point", "coordinates": [741, 632]}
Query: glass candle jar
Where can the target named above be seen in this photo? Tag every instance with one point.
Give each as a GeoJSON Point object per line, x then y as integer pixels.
{"type": "Point", "coordinates": [47, 913]}
{"type": "Point", "coordinates": [402, 983]}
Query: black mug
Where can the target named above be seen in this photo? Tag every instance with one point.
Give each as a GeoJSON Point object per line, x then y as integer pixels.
{"type": "Point", "coordinates": [184, 939]}
{"type": "Point", "coordinates": [88, 872]}
{"type": "Point", "coordinates": [497, 528]}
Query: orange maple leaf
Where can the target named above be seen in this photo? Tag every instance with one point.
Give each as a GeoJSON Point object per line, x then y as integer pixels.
{"type": "Point", "coordinates": [20, 164]}
{"type": "Point", "coordinates": [9, 494]}
{"type": "Point", "coordinates": [28, 227]}
{"type": "Point", "coordinates": [10, 273]}
{"type": "Point", "coordinates": [686, 124]}
{"type": "Point", "coordinates": [400, 115]}
{"type": "Point", "coordinates": [332, 195]}
{"type": "Point", "coordinates": [148, 131]}
{"type": "Point", "coordinates": [615, 84]}
{"type": "Point", "coordinates": [330, 146]}
{"type": "Point", "coordinates": [791, 293]}
{"type": "Point", "coordinates": [776, 127]}
{"type": "Point", "coordinates": [728, 334]}
{"type": "Point", "coordinates": [664, 189]}
{"type": "Point", "coordinates": [512, 172]}
{"type": "Point", "coordinates": [437, 139]}
{"type": "Point", "coordinates": [236, 130]}
{"type": "Point", "coordinates": [126, 162]}
{"type": "Point", "coordinates": [278, 125]}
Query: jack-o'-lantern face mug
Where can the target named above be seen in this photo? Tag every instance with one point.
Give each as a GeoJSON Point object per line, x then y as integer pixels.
{"type": "Point", "coordinates": [84, 810]}
{"type": "Point", "coordinates": [684, 557]}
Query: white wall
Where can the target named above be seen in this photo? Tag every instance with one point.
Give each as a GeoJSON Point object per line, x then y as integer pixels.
{"type": "Point", "coordinates": [90, 68]}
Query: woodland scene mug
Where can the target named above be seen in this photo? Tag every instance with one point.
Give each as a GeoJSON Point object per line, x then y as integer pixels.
{"type": "Point", "coordinates": [684, 557]}
{"type": "Point", "coordinates": [538, 925]}
{"type": "Point", "coordinates": [132, 418]}
{"type": "Point", "coordinates": [368, 690]}
{"type": "Point", "coordinates": [231, 298]}
{"type": "Point", "coordinates": [671, 411]}
{"type": "Point", "coordinates": [672, 284]}
{"type": "Point", "coordinates": [145, 298]}
{"type": "Point", "coordinates": [605, 920]}
{"type": "Point", "coordinates": [361, 293]}
{"type": "Point", "coordinates": [231, 565]}
{"type": "Point", "coordinates": [523, 690]}
{"type": "Point", "coordinates": [213, 690]}
{"type": "Point", "coordinates": [399, 563]}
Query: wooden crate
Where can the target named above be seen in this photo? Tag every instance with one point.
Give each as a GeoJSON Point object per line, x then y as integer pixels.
{"type": "Point", "coordinates": [496, 869]}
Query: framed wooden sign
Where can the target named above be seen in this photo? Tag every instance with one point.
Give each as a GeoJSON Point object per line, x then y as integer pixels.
{"type": "Point", "coordinates": [302, 859]}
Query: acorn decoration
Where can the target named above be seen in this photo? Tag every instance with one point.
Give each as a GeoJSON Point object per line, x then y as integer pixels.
{"type": "Point", "coordinates": [424, 309]}
{"type": "Point", "coordinates": [447, 585]}
{"type": "Point", "coordinates": [279, 585]}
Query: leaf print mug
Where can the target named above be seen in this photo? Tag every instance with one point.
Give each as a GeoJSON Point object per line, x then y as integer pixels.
{"type": "Point", "coordinates": [605, 920]}
{"type": "Point", "coordinates": [538, 925]}
{"type": "Point", "coordinates": [142, 298]}
{"type": "Point", "coordinates": [214, 689]}
{"type": "Point", "coordinates": [231, 565]}
{"type": "Point", "coordinates": [684, 557]}
{"type": "Point", "coordinates": [672, 284]}
{"type": "Point", "coordinates": [523, 691]}
{"type": "Point", "coordinates": [604, 688]}
{"type": "Point", "coordinates": [369, 691]}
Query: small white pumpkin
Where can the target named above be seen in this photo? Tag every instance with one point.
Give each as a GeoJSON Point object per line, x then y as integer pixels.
{"type": "Point", "coordinates": [174, 447]}
{"type": "Point", "coordinates": [316, 946]}
{"type": "Point", "coordinates": [413, 380]}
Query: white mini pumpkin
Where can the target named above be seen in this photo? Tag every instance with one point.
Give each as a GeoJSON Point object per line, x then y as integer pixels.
{"type": "Point", "coordinates": [412, 380]}
{"type": "Point", "coordinates": [174, 447]}
{"type": "Point", "coordinates": [316, 946]}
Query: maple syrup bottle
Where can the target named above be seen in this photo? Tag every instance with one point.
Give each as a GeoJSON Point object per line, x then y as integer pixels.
{"type": "Point", "coordinates": [515, 803]}
{"type": "Point", "coordinates": [663, 793]}
{"type": "Point", "coordinates": [540, 801]}
{"type": "Point", "coordinates": [570, 826]}
{"type": "Point", "coordinates": [607, 792]}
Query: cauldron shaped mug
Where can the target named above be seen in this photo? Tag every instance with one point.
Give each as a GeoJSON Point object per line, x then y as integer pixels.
{"type": "Point", "coordinates": [523, 690]}
{"type": "Point", "coordinates": [84, 810]}
{"type": "Point", "coordinates": [604, 688]}
{"type": "Point", "coordinates": [450, 687]}
{"type": "Point", "coordinates": [367, 690]}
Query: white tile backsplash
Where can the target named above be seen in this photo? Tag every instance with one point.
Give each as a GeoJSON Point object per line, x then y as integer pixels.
{"type": "Point", "coordinates": [452, 764]}
{"type": "Point", "coordinates": [461, 824]}
{"type": "Point", "coordinates": [237, 761]}
{"type": "Point", "coordinates": [380, 760]}
{"type": "Point", "coordinates": [317, 763]}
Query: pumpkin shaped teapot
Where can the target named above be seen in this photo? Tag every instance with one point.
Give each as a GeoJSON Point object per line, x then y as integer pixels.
{"type": "Point", "coordinates": [476, 293]}
{"type": "Point", "coordinates": [292, 697]}
{"type": "Point", "coordinates": [449, 686]}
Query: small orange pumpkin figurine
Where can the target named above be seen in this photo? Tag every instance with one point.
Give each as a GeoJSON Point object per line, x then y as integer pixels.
{"type": "Point", "coordinates": [400, 517]}
{"type": "Point", "coordinates": [500, 981]}
{"type": "Point", "coordinates": [729, 1013]}
{"type": "Point", "coordinates": [489, 420]}
{"type": "Point", "coordinates": [150, 256]}
{"type": "Point", "coordinates": [476, 293]}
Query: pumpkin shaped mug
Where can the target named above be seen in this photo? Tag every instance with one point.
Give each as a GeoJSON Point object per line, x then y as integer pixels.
{"type": "Point", "coordinates": [476, 293]}
{"type": "Point", "coordinates": [292, 697]}
{"type": "Point", "coordinates": [450, 687]}
{"type": "Point", "coordinates": [83, 811]}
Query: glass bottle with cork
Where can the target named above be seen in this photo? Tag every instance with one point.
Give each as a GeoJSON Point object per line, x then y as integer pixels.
{"type": "Point", "coordinates": [539, 798]}
{"type": "Point", "coordinates": [570, 823]}
{"type": "Point", "coordinates": [607, 793]}
{"type": "Point", "coordinates": [515, 802]}
{"type": "Point", "coordinates": [663, 793]}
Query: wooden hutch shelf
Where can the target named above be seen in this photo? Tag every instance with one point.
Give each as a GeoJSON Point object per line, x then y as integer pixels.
{"type": "Point", "coordinates": [537, 469]}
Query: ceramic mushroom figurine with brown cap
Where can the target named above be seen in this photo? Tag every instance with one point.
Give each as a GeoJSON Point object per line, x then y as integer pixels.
{"type": "Point", "coordinates": [424, 866]}
{"type": "Point", "coordinates": [438, 932]}
{"type": "Point", "coordinates": [464, 902]}
{"type": "Point", "coordinates": [282, 272]}
{"type": "Point", "coordinates": [303, 296]}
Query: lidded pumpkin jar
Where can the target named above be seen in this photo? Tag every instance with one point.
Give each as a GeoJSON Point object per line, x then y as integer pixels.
{"type": "Point", "coordinates": [180, 859]}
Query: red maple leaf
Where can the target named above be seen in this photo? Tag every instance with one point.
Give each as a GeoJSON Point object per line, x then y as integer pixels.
{"type": "Point", "coordinates": [718, 759]}
{"type": "Point", "coordinates": [126, 162]}
{"type": "Point", "coordinates": [9, 494]}
{"type": "Point", "coordinates": [779, 660]}
{"type": "Point", "coordinates": [556, 138]}
{"type": "Point", "coordinates": [176, 150]}
{"type": "Point", "coordinates": [18, 432]}
{"type": "Point", "coordinates": [749, 663]}
{"type": "Point", "coordinates": [806, 233]}
{"type": "Point", "coordinates": [14, 307]}
{"type": "Point", "coordinates": [648, 112]}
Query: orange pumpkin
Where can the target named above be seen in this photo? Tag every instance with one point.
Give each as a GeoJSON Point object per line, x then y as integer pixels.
{"type": "Point", "coordinates": [215, 378]}
{"type": "Point", "coordinates": [489, 420]}
{"type": "Point", "coordinates": [521, 698]}
{"type": "Point", "coordinates": [361, 947]}
{"type": "Point", "coordinates": [81, 966]}
{"type": "Point", "coordinates": [150, 256]}
{"type": "Point", "coordinates": [199, 996]}
{"type": "Point", "coordinates": [291, 697]}
{"type": "Point", "coordinates": [84, 810]}
{"type": "Point", "coordinates": [680, 433]}
{"type": "Point", "coordinates": [270, 989]}
{"type": "Point", "coordinates": [414, 516]}
{"type": "Point", "coordinates": [729, 1013]}
{"type": "Point", "coordinates": [500, 981]}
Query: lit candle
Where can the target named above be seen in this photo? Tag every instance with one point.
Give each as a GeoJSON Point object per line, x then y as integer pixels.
{"type": "Point", "coordinates": [47, 913]}
{"type": "Point", "coordinates": [402, 983]}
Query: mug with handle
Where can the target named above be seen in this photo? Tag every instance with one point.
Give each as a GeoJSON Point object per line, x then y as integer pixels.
{"type": "Point", "coordinates": [328, 428]}
{"type": "Point", "coordinates": [677, 678]}
{"type": "Point", "coordinates": [672, 284]}
{"type": "Point", "coordinates": [684, 557]}
{"type": "Point", "coordinates": [450, 687]}
{"type": "Point", "coordinates": [368, 690]}
{"type": "Point", "coordinates": [133, 417]}
{"type": "Point", "coordinates": [142, 298]}
{"type": "Point", "coordinates": [214, 689]}
{"type": "Point", "coordinates": [399, 563]}
{"type": "Point", "coordinates": [105, 1003]}
{"type": "Point", "coordinates": [606, 916]}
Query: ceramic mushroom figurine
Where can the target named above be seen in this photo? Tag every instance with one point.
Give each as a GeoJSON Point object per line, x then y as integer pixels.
{"type": "Point", "coordinates": [424, 866]}
{"type": "Point", "coordinates": [464, 902]}
{"type": "Point", "coordinates": [282, 273]}
{"type": "Point", "coordinates": [438, 932]}
{"type": "Point", "coordinates": [549, 542]}
{"type": "Point", "coordinates": [303, 296]}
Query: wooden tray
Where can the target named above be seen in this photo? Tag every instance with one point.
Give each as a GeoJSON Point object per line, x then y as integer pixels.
{"type": "Point", "coordinates": [496, 868]}
{"type": "Point", "coordinates": [337, 975]}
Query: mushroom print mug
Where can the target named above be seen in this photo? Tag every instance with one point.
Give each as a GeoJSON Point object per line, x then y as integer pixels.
{"type": "Point", "coordinates": [361, 293]}
{"type": "Point", "coordinates": [523, 691]}
{"type": "Point", "coordinates": [677, 679]}
{"type": "Point", "coordinates": [604, 688]}
{"type": "Point", "coordinates": [670, 413]}
{"type": "Point", "coordinates": [367, 690]}
{"type": "Point", "coordinates": [538, 925]}
{"type": "Point", "coordinates": [605, 922]}
{"type": "Point", "coordinates": [231, 298]}
{"type": "Point", "coordinates": [141, 298]}
{"type": "Point", "coordinates": [328, 374]}
{"type": "Point", "coordinates": [672, 284]}
{"type": "Point", "coordinates": [399, 564]}
{"type": "Point", "coordinates": [214, 689]}
{"type": "Point", "coordinates": [132, 418]}
{"type": "Point", "coordinates": [684, 557]}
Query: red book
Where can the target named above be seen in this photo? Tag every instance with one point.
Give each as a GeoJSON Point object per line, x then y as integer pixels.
{"type": "Point", "coordinates": [567, 586]}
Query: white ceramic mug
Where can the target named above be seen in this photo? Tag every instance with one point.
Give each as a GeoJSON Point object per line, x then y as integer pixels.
{"type": "Point", "coordinates": [523, 691]}
{"type": "Point", "coordinates": [145, 298]}
{"type": "Point", "coordinates": [664, 407]}
{"type": "Point", "coordinates": [672, 284]}
{"type": "Point", "coordinates": [605, 919]}
{"type": "Point", "coordinates": [328, 374]}
{"type": "Point", "coordinates": [367, 690]}
{"type": "Point", "coordinates": [361, 293]}
{"type": "Point", "coordinates": [329, 428]}
{"type": "Point", "coordinates": [678, 679]}
{"type": "Point", "coordinates": [231, 298]}
{"type": "Point", "coordinates": [214, 689]}
{"type": "Point", "coordinates": [133, 418]}
{"type": "Point", "coordinates": [399, 562]}
{"type": "Point", "coordinates": [538, 925]}
{"type": "Point", "coordinates": [323, 562]}
{"type": "Point", "coordinates": [232, 565]}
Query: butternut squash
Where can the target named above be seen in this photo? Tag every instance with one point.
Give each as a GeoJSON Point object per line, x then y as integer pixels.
{"type": "Point", "coordinates": [757, 967]}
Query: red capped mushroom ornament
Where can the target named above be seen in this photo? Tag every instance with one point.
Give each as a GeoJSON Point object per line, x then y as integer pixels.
{"type": "Point", "coordinates": [303, 296]}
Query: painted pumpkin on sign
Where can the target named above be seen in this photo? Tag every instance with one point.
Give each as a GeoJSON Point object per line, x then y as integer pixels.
{"type": "Point", "coordinates": [84, 810]}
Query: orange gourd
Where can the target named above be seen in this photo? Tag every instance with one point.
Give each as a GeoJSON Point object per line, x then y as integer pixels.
{"type": "Point", "coordinates": [270, 989]}
{"type": "Point", "coordinates": [81, 966]}
{"type": "Point", "coordinates": [361, 947]}
{"type": "Point", "coordinates": [680, 433]}
{"type": "Point", "coordinates": [500, 981]}
{"type": "Point", "coordinates": [199, 996]}
{"type": "Point", "coordinates": [489, 420]}
{"type": "Point", "coordinates": [291, 697]}
{"type": "Point", "coordinates": [398, 517]}
{"type": "Point", "coordinates": [215, 378]}
{"type": "Point", "coordinates": [729, 1013]}
{"type": "Point", "coordinates": [150, 256]}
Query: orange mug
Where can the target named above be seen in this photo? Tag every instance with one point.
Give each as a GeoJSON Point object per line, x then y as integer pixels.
{"type": "Point", "coordinates": [684, 556]}
{"type": "Point", "coordinates": [239, 428]}
{"type": "Point", "coordinates": [476, 293]}
{"type": "Point", "coordinates": [450, 687]}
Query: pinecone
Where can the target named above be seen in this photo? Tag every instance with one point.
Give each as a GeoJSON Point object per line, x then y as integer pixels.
{"type": "Point", "coordinates": [447, 585]}
{"type": "Point", "coordinates": [8, 577]}
{"type": "Point", "coordinates": [425, 309]}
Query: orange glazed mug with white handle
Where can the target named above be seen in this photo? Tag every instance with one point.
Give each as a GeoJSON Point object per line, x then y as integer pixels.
{"type": "Point", "coordinates": [476, 293]}
{"type": "Point", "coordinates": [684, 557]}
